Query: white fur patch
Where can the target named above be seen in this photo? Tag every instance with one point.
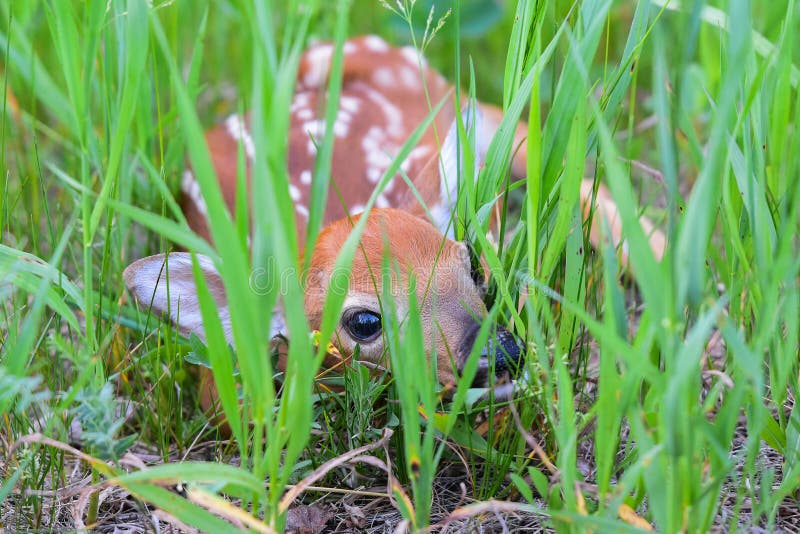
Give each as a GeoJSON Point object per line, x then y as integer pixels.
{"type": "Point", "coordinates": [349, 103]}
{"type": "Point", "coordinates": [384, 76]}
{"type": "Point", "coordinates": [411, 78]}
{"type": "Point", "coordinates": [294, 192]}
{"type": "Point", "coordinates": [394, 117]}
{"type": "Point", "coordinates": [301, 210]}
{"type": "Point", "coordinates": [416, 153]}
{"type": "Point", "coordinates": [376, 158]}
{"type": "Point", "coordinates": [374, 174]}
{"type": "Point", "coordinates": [305, 177]}
{"type": "Point", "coordinates": [449, 166]}
{"type": "Point", "coordinates": [341, 126]}
{"type": "Point", "coordinates": [238, 130]}
{"type": "Point", "coordinates": [191, 189]}
{"type": "Point", "coordinates": [300, 100]}
{"type": "Point", "coordinates": [304, 114]}
{"type": "Point", "coordinates": [315, 128]}
{"type": "Point", "coordinates": [319, 60]}
{"type": "Point", "coordinates": [373, 139]}
{"type": "Point", "coordinates": [375, 43]}
{"type": "Point", "coordinates": [413, 56]}
{"type": "Point", "coordinates": [341, 129]}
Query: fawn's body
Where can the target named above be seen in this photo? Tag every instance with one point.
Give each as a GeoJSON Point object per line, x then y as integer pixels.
{"type": "Point", "coordinates": [383, 100]}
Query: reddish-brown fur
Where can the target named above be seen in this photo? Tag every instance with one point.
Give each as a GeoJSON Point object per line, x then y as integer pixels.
{"type": "Point", "coordinates": [383, 100]}
{"type": "Point", "coordinates": [352, 174]}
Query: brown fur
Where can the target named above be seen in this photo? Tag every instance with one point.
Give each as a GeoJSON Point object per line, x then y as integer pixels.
{"type": "Point", "coordinates": [383, 100]}
{"type": "Point", "coordinates": [448, 299]}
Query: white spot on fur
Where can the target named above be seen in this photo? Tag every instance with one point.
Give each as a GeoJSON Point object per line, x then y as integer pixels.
{"type": "Point", "coordinates": [394, 117]}
{"type": "Point", "coordinates": [191, 189]}
{"type": "Point", "coordinates": [384, 76]}
{"type": "Point", "coordinates": [315, 128]}
{"type": "Point", "coordinates": [318, 60]}
{"type": "Point", "coordinates": [378, 159]}
{"type": "Point", "coordinates": [300, 100]}
{"type": "Point", "coordinates": [305, 177]}
{"type": "Point", "coordinates": [373, 139]}
{"type": "Point", "coordinates": [374, 174]}
{"type": "Point", "coordinates": [342, 115]}
{"type": "Point", "coordinates": [349, 47]}
{"type": "Point", "coordinates": [413, 56]}
{"type": "Point", "coordinates": [238, 130]}
{"type": "Point", "coordinates": [375, 43]}
{"type": "Point", "coordinates": [186, 181]}
{"type": "Point", "coordinates": [410, 78]}
{"type": "Point", "coordinates": [358, 208]}
{"type": "Point", "coordinates": [304, 114]}
{"type": "Point", "coordinates": [340, 128]}
{"type": "Point", "coordinates": [417, 153]}
{"type": "Point", "coordinates": [378, 154]}
{"type": "Point", "coordinates": [349, 103]}
{"type": "Point", "coordinates": [301, 210]}
{"type": "Point", "coordinates": [294, 192]}
{"type": "Point", "coordinates": [420, 152]}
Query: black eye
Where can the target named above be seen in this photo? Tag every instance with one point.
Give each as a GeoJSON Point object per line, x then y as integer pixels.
{"type": "Point", "coordinates": [363, 325]}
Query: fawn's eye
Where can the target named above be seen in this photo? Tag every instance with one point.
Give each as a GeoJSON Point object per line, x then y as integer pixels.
{"type": "Point", "coordinates": [363, 325]}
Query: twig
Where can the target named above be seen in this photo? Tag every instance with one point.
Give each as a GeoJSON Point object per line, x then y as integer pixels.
{"type": "Point", "coordinates": [322, 470]}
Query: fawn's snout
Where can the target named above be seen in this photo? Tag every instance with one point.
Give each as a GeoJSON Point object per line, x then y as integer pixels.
{"type": "Point", "coordinates": [502, 355]}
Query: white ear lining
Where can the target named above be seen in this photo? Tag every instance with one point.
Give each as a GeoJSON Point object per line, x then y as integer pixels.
{"type": "Point", "coordinates": [147, 280]}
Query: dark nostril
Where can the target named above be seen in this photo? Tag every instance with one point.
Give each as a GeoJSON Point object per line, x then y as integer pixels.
{"type": "Point", "coordinates": [502, 352]}
{"type": "Point", "coordinates": [504, 347]}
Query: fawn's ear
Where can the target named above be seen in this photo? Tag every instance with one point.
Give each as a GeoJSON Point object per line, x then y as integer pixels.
{"type": "Point", "coordinates": [451, 166]}
{"type": "Point", "coordinates": [165, 283]}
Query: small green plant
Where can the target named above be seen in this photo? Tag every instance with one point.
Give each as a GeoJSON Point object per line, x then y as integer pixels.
{"type": "Point", "coordinates": [102, 417]}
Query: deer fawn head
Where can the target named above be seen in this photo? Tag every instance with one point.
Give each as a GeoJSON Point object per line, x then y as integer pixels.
{"type": "Point", "coordinates": [447, 289]}
{"type": "Point", "coordinates": [448, 293]}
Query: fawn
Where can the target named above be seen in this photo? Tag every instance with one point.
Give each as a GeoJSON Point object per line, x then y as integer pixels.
{"type": "Point", "coordinates": [382, 101]}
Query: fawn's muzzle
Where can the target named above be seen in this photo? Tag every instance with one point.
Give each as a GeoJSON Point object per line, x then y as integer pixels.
{"type": "Point", "coordinates": [502, 353]}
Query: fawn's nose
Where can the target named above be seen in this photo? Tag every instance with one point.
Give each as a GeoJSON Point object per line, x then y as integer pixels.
{"type": "Point", "coordinates": [502, 353]}
{"type": "Point", "coordinates": [504, 347]}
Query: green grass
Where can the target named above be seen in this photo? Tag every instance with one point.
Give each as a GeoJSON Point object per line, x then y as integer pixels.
{"type": "Point", "coordinates": [685, 421]}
